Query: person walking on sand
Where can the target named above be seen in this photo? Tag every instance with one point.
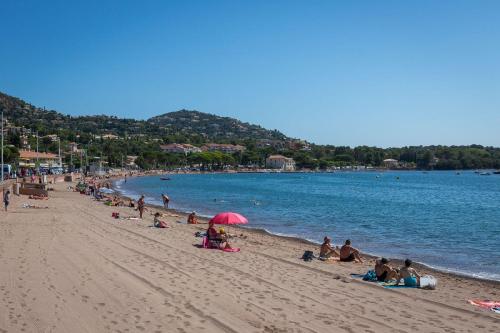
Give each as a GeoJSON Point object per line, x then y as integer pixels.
{"type": "Point", "coordinates": [6, 199]}
{"type": "Point", "coordinates": [348, 253]}
{"type": "Point", "coordinates": [140, 205]}
{"type": "Point", "coordinates": [166, 200]}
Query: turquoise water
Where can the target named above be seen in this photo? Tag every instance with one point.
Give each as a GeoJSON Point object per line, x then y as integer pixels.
{"type": "Point", "coordinates": [447, 221]}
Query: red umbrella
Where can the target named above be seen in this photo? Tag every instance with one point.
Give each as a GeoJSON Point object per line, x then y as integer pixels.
{"type": "Point", "coordinates": [229, 218]}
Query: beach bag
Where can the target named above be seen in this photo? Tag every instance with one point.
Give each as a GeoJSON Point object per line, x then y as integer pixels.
{"type": "Point", "coordinates": [308, 255]}
{"type": "Point", "coordinates": [428, 282]}
{"type": "Point", "coordinates": [370, 276]}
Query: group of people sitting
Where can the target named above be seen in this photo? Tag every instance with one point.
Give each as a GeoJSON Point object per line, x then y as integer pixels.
{"type": "Point", "coordinates": [346, 253]}
{"type": "Point", "coordinates": [386, 273]}
{"type": "Point", "coordinates": [383, 271]}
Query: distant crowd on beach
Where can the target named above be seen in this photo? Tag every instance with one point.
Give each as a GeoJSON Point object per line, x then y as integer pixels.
{"type": "Point", "coordinates": [383, 271]}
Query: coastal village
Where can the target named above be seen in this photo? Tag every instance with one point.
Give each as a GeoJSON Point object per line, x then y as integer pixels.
{"type": "Point", "coordinates": [52, 154]}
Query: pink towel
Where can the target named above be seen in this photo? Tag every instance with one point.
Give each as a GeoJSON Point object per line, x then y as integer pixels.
{"type": "Point", "coordinates": [234, 249]}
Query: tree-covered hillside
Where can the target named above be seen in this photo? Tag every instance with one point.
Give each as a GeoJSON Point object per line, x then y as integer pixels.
{"type": "Point", "coordinates": [114, 138]}
{"type": "Point", "coordinates": [188, 126]}
{"type": "Point", "coordinates": [212, 127]}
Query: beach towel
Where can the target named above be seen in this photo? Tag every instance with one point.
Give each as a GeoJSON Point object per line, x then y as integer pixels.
{"type": "Point", "coordinates": [234, 249]}
{"type": "Point", "coordinates": [357, 276]}
{"type": "Point", "coordinates": [393, 286]}
{"type": "Point", "coordinates": [200, 234]}
{"type": "Point", "coordinates": [368, 276]}
{"type": "Point", "coordinates": [487, 304]}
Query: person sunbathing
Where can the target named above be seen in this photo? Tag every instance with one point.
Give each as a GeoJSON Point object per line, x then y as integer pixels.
{"type": "Point", "coordinates": [192, 218]}
{"type": "Point", "coordinates": [348, 253]}
{"type": "Point", "coordinates": [158, 223]}
{"type": "Point", "coordinates": [385, 272]}
{"type": "Point", "coordinates": [326, 250]}
{"type": "Point", "coordinates": [214, 237]}
{"type": "Point", "coordinates": [409, 275]}
{"type": "Point", "coordinates": [38, 197]}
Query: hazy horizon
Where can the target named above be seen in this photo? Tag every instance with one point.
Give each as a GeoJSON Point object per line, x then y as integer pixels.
{"type": "Point", "coordinates": [386, 74]}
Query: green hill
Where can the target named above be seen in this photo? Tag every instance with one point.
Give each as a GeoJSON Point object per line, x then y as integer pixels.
{"type": "Point", "coordinates": [181, 125]}
{"type": "Point", "coordinates": [211, 127]}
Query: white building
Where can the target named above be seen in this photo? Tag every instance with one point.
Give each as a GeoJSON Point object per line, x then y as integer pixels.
{"type": "Point", "coordinates": [180, 148]}
{"type": "Point", "coordinates": [391, 163]}
{"type": "Point", "coordinates": [280, 162]}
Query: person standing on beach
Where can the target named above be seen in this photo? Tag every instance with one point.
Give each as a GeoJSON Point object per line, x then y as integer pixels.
{"type": "Point", "coordinates": [140, 206]}
{"type": "Point", "coordinates": [6, 199]}
{"type": "Point", "coordinates": [166, 200]}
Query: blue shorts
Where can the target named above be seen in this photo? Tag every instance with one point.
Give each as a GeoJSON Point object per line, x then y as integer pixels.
{"type": "Point", "coordinates": [410, 281]}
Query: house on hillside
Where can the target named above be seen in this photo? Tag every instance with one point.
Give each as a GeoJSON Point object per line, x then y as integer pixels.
{"type": "Point", "coordinates": [268, 143]}
{"type": "Point", "coordinates": [73, 147]}
{"type": "Point", "coordinates": [180, 148]}
{"type": "Point", "coordinates": [109, 137]}
{"type": "Point", "coordinates": [280, 162]}
{"type": "Point", "coordinates": [224, 148]}
{"type": "Point", "coordinates": [52, 137]}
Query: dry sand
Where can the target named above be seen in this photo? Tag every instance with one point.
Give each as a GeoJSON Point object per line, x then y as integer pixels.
{"type": "Point", "coordinates": [73, 268]}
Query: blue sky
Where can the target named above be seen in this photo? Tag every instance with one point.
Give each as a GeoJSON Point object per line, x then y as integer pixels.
{"type": "Point", "coordinates": [385, 73]}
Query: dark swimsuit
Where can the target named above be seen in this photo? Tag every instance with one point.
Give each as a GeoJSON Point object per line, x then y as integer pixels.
{"type": "Point", "coordinates": [382, 277]}
{"type": "Point", "coordinates": [349, 258]}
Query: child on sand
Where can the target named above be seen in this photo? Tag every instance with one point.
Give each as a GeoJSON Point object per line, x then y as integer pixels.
{"type": "Point", "coordinates": [192, 218]}
{"type": "Point", "coordinates": [158, 223]}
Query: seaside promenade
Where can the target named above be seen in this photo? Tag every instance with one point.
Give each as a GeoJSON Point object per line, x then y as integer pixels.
{"type": "Point", "coordinates": [71, 267]}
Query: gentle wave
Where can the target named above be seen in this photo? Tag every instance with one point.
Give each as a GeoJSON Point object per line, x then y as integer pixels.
{"type": "Point", "coordinates": [439, 219]}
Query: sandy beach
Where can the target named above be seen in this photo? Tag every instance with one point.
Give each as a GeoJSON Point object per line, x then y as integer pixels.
{"type": "Point", "coordinates": [71, 267]}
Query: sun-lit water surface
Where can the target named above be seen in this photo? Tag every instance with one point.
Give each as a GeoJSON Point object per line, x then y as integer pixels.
{"type": "Point", "coordinates": [445, 220]}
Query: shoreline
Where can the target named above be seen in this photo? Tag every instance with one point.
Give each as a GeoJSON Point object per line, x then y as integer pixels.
{"type": "Point", "coordinates": [397, 262]}
{"type": "Point", "coordinates": [70, 266]}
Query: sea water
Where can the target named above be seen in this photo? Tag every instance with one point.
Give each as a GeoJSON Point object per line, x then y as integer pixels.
{"type": "Point", "coordinates": [446, 220]}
